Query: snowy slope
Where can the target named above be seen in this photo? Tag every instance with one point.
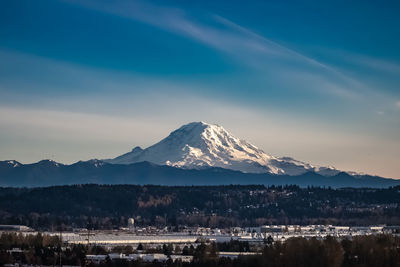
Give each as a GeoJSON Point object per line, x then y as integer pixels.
{"type": "Point", "coordinates": [199, 144]}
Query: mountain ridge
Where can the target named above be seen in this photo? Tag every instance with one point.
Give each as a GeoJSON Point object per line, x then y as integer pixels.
{"type": "Point", "coordinates": [98, 172]}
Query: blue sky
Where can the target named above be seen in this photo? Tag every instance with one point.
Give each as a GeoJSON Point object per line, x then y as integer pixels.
{"type": "Point", "coordinates": [318, 81]}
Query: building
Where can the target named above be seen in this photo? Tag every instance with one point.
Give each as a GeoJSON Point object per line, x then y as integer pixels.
{"type": "Point", "coordinates": [20, 228]}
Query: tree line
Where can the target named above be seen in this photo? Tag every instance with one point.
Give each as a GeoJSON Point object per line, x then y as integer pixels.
{"type": "Point", "coordinates": [109, 206]}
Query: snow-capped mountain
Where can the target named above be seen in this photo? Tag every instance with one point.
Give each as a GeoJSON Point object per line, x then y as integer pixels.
{"type": "Point", "coordinates": [198, 144]}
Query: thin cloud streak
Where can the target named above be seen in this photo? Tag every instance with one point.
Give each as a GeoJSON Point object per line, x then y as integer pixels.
{"type": "Point", "coordinates": [373, 63]}
{"type": "Point", "coordinates": [55, 77]}
{"type": "Point", "coordinates": [245, 45]}
{"type": "Point", "coordinates": [379, 64]}
{"type": "Point", "coordinates": [292, 54]}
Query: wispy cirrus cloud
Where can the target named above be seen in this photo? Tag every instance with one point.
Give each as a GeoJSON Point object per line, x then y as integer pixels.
{"type": "Point", "coordinates": [366, 61]}
{"type": "Point", "coordinates": [379, 64]}
{"type": "Point", "coordinates": [242, 44]}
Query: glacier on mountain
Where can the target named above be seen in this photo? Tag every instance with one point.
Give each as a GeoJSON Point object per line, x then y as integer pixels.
{"type": "Point", "coordinates": [200, 145]}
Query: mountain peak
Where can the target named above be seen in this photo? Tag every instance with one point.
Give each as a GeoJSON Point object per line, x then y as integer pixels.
{"type": "Point", "coordinates": [201, 144]}
{"type": "Point", "coordinates": [194, 132]}
{"type": "Point", "coordinates": [137, 149]}
{"type": "Point", "coordinates": [12, 163]}
{"type": "Point", "coordinates": [198, 127]}
{"type": "Point", "coordinates": [48, 163]}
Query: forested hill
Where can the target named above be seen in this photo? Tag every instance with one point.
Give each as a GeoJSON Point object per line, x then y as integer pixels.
{"type": "Point", "coordinates": [109, 206]}
{"type": "Point", "coordinates": [49, 173]}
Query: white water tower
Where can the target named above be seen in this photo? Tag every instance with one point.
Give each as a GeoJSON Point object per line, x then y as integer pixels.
{"type": "Point", "coordinates": [131, 223]}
